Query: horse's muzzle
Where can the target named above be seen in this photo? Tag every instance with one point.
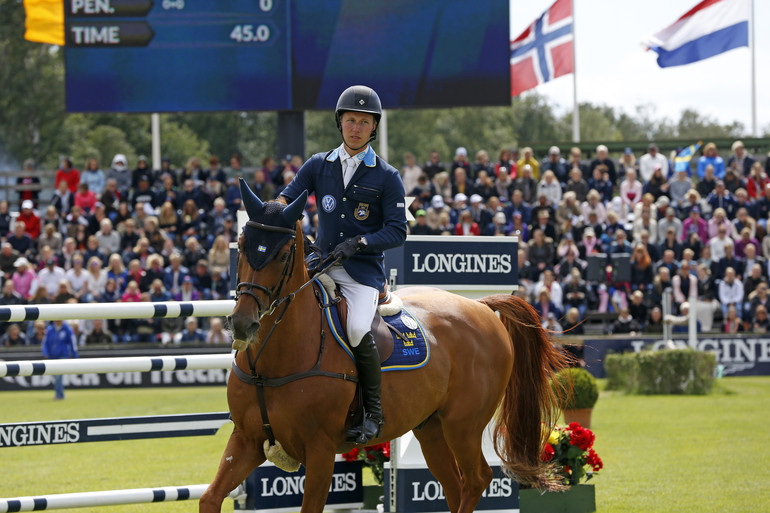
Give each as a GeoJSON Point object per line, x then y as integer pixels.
{"type": "Point", "coordinates": [244, 329]}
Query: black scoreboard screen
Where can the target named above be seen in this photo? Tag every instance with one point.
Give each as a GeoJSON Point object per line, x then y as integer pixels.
{"type": "Point", "coordinates": [219, 55]}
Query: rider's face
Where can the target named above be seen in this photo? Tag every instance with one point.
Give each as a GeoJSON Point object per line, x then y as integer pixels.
{"type": "Point", "coordinates": [356, 130]}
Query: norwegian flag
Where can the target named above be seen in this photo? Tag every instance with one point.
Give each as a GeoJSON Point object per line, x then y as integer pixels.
{"type": "Point", "coordinates": [543, 51]}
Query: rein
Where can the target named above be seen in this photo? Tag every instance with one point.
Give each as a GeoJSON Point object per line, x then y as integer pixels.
{"type": "Point", "coordinates": [259, 381]}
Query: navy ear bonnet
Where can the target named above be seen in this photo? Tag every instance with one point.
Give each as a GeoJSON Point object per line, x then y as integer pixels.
{"type": "Point", "coordinates": [261, 245]}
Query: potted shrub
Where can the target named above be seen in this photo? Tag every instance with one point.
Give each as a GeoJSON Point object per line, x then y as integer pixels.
{"type": "Point", "coordinates": [577, 392]}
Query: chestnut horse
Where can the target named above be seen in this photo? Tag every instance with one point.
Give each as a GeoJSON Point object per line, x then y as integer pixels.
{"type": "Point", "coordinates": [479, 364]}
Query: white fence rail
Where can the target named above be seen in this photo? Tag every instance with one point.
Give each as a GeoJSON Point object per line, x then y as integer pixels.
{"type": "Point", "coordinates": [89, 311]}
{"type": "Point", "coordinates": [108, 498]}
{"type": "Point", "coordinates": [105, 365]}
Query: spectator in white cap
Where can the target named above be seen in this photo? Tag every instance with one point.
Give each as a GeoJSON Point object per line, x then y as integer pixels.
{"type": "Point", "coordinates": [24, 278]}
{"type": "Point", "coordinates": [433, 212]}
{"type": "Point", "coordinates": [478, 210]}
{"type": "Point", "coordinates": [499, 225]}
{"type": "Point", "coordinates": [461, 160]}
{"type": "Point", "coordinates": [555, 163]}
{"type": "Point", "coordinates": [503, 184]}
{"type": "Point", "coordinates": [30, 219]}
{"type": "Point", "coordinates": [121, 174]}
{"type": "Point", "coordinates": [740, 160]}
{"type": "Point", "coordinates": [526, 184]}
{"type": "Point", "coordinates": [602, 158]}
{"type": "Point", "coordinates": [459, 205]}
{"type": "Point", "coordinates": [649, 160]}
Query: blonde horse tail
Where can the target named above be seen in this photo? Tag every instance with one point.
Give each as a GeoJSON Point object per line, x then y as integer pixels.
{"type": "Point", "coordinates": [529, 408]}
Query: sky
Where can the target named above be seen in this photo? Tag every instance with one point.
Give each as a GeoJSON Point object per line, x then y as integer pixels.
{"type": "Point", "coordinates": [613, 67]}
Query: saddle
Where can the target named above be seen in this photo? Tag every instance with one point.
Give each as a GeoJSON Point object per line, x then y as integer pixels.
{"type": "Point", "coordinates": [388, 304]}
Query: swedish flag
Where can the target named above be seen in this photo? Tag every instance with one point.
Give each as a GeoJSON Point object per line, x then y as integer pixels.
{"type": "Point", "coordinates": [683, 158]}
{"type": "Point", "coordinates": [45, 21]}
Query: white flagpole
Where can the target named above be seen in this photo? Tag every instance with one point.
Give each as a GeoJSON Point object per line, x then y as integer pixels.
{"type": "Point", "coordinates": [753, 74]}
{"type": "Point", "coordinates": [575, 109]}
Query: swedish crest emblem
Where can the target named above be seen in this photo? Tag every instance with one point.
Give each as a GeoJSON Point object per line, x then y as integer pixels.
{"type": "Point", "coordinates": [362, 211]}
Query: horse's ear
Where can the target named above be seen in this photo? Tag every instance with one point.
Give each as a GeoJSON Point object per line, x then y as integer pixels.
{"type": "Point", "coordinates": [294, 211]}
{"type": "Point", "coordinates": [250, 200]}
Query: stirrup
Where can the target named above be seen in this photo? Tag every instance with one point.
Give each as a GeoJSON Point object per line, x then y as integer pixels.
{"type": "Point", "coordinates": [357, 434]}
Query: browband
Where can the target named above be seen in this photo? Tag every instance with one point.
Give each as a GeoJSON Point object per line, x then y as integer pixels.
{"type": "Point", "coordinates": [267, 227]}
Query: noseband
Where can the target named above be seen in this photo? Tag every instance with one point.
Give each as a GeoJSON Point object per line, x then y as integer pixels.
{"type": "Point", "coordinates": [247, 287]}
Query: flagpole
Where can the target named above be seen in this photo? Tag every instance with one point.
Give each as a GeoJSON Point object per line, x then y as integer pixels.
{"type": "Point", "coordinates": [753, 75]}
{"type": "Point", "coordinates": [575, 110]}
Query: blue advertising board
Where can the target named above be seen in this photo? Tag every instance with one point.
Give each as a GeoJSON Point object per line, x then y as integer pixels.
{"type": "Point", "coordinates": [270, 489]}
{"type": "Point", "coordinates": [738, 356]}
{"type": "Point", "coordinates": [456, 262]}
{"type": "Point", "coordinates": [417, 491]}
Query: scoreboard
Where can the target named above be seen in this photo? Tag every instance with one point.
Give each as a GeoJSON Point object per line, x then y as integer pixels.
{"type": "Point", "coordinates": [215, 55]}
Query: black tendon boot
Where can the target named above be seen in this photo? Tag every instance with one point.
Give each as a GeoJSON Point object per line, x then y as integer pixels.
{"type": "Point", "coordinates": [369, 378]}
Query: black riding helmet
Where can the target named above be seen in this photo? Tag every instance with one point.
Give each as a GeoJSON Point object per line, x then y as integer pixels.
{"type": "Point", "coordinates": [359, 98]}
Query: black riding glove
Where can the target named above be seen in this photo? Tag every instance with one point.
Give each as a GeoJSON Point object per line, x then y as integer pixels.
{"type": "Point", "coordinates": [347, 249]}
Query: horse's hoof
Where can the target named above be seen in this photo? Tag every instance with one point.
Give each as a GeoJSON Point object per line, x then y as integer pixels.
{"type": "Point", "coordinates": [240, 345]}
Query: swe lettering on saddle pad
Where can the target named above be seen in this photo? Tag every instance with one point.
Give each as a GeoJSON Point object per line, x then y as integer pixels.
{"type": "Point", "coordinates": [410, 348]}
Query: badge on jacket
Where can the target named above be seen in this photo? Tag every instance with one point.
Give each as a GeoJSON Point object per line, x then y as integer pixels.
{"type": "Point", "coordinates": [362, 211]}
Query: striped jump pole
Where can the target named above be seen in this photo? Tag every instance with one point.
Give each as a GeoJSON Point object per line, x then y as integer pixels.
{"type": "Point", "coordinates": [105, 365]}
{"type": "Point", "coordinates": [90, 311]}
{"type": "Point", "coordinates": [109, 498]}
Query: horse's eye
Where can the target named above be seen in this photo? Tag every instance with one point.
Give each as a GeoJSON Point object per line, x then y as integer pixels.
{"type": "Point", "coordinates": [284, 257]}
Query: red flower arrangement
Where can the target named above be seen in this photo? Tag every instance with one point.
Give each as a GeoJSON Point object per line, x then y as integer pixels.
{"type": "Point", "coordinates": [373, 456]}
{"type": "Point", "coordinates": [571, 449]}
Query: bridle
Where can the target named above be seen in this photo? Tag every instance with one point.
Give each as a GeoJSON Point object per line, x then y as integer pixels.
{"type": "Point", "coordinates": [247, 287]}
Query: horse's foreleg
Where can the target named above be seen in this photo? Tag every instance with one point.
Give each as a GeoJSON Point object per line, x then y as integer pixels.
{"type": "Point", "coordinates": [242, 455]}
{"type": "Point", "coordinates": [318, 479]}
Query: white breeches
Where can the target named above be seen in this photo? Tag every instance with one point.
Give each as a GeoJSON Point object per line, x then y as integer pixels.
{"type": "Point", "coordinates": [362, 304]}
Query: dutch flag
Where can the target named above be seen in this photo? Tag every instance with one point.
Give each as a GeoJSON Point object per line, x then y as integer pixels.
{"type": "Point", "coordinates": [708, 29]}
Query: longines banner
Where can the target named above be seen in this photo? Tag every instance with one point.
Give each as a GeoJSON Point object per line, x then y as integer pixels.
{"type": "Point", "coordinates": [458, 262]}
{"type": "Point", "coordinates": [417, 491]}
{"type": "Point", "coordinates": [270, 489]}
{"type": "Point", "coordinates": [738, 356]}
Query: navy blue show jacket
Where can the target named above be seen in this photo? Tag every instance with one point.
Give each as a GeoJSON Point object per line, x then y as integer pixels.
{"type": "Point", "coordinates": [371, 205]}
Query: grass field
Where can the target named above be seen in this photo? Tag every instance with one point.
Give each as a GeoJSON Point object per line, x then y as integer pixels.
{"type": "Point", "coordinates": [661, 453]}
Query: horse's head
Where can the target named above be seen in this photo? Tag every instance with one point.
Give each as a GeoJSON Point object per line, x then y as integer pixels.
{"type": "Point", "coordinates": [266, 258]}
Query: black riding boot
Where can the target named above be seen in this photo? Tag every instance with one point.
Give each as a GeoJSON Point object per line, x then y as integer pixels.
{"type": "Point", "coordinates": [369, 377]}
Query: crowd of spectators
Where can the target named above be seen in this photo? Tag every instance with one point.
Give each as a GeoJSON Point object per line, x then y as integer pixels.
{"type": "Point", "coordinates": [123, 235]}
{"type": "Point", "coordinates": [695, 228]}
{"type": "Point", "coordinates": [127, 235]}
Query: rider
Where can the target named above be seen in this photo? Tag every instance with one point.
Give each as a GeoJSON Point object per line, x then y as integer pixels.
{"type": "Point", "coordinates": [362, 213]}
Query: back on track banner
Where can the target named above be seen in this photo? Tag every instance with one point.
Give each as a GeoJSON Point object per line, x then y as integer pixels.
{"type": "Point", "coordinates": [209, 377]}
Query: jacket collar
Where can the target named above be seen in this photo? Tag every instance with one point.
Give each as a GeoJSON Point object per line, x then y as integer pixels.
{"type": "Point", "coordinates": [368, 157]}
